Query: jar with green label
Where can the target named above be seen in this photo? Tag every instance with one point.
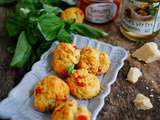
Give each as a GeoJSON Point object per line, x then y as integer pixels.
{"type": "Point", "coordinates": [140, 19]}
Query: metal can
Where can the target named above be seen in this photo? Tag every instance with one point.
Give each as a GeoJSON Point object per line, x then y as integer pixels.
{"type": "Point", "coordinates": [100, 11]}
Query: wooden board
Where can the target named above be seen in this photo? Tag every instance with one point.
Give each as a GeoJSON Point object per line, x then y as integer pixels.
{"type": "Point", "coordinates": [118, 105]}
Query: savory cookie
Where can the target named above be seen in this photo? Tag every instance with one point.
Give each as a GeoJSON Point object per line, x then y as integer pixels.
{"type": "Point", "coordinates": [71, 111]}
{"type": "Point", "coordinates": [89, 59]}
{"type": "Point", "coordinates": [94, 61]}
{"type": "Point", "coordinates": [83, 85]}
{"type": "Point", "coordinates": [64, 56]}
{"type": "Point", "coordinates": [50, 92]}
{"type": "Point", "coordinates": [73, 13]}
{"type": "Point", "coordinates": [104, 63]}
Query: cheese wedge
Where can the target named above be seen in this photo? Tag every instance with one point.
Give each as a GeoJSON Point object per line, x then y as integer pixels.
{"type": "Point", "coordinates": [142, 102]}
{"type": "Point", "coordinates": [134, 74]}
{"type": "Point", "coordinates": [148, 53]}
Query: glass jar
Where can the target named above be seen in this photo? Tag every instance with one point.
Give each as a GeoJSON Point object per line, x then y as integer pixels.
{"type": "Point", "coordinates": [100, 11]}
{"type": "Point", "coordinates": [140, 19]}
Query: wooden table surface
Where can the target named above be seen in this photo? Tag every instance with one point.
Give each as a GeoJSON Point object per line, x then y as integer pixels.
{"type": "Point", "coordinates": [118, 105]}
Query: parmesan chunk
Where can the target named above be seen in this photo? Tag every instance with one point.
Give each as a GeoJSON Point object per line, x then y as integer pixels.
{"type": "Point", "coordinates": [134, 74]}
{"type": "Point", "coordinates": [142, 102]}
{"type": "Point", "coordinates": [148, 53]}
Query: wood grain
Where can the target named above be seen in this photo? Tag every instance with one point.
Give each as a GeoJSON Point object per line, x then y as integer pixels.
{"type": "Point", "coordinates": [118, 105]}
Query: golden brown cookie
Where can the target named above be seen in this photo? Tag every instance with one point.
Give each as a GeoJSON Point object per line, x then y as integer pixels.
{"type": "Point", "coordinates": [104, 63]}
{"type": "Point", "coordinates": [94, 61]}
{"type": "Point", "coordinates": [65, 56]}
{"type": "Point", "coordinates": [71, 111]}
{"type": "Point", "coordinates": [73, 13]}
{"type": "Point", "coordinates": [83, 85]}
{"type": "Point", "coordinates": [89, 59]}
{"type": "Point", "coordinates": [50, 92]}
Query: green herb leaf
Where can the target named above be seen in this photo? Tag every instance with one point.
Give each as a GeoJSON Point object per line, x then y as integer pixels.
{"type": "Point", "coordinates": [52, 2]}
{"type": "Point", "coordinates": [14, 24]}
{"type": "Point", "coordinates": [30, 4]}
{"type": "Point", "coordinates": [64, 36]}
{"type": "Point", "coordinates": [33, 36]}
{"type": "Point", "coordinates": [70, 21]}
{"type": "Point", "coordinates": [87, 30]}
{"type": "Point", "coordinates": [50, 9]}
{"type": "Point", "coordinates": [32, 32]}
{"type": "Point", "coordinates": [56, 2]}
{"type": "Point", "coordinates": [44, 45]}
{"type": "Point", "coordinates": [49, 2]}
{"type": "Point", "coordinates": [70, 69]}
{"type": "Point", "coordinates": [22, 53]}
{"type": "Point", "coordinates": [24, 12]}
{"type": "Point", "coordinates": [49, 25]}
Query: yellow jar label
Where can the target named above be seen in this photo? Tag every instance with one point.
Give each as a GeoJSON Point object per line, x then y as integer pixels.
{"type": "Point", "coordinates": [140, 17]}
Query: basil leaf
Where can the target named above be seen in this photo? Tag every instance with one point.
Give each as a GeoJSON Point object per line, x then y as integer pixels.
{"type": "Point", "coordinates": [52, 2]}
{"type": "Point", "coordinates": [70, 69]}
{"type": "Point", "coordinates": [22, 52]}
{"type": "Point", "coordinates": [87, 30]}
{"type": "Point", "coordinates": [33, 36]}
{"type": "Point", "coordinates": [49, 25]}
{"type": "Point", "coordinates": [44, 45]}
{"type": "Point", "coordinates": [49, 2]}
{"type": "Point", "coordinates": [13, 24]}
{"type": "Point", "coordinates": [50, 9]}
{"type": "Point", "coordinates": [32, 32]}
{"type": "Point", "coordinates": [24, 12]}
{"type": "Point", "coordinates": [70, 21]}
{"type": "Point", "coordinates": [64, 36]}
{"type": "Point", "coordinates": [29, 4]}
{"type": "Point", "coordinates": [57, 2]}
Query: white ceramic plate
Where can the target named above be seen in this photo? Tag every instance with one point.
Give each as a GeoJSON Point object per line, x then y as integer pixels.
{"type": "Point", "coordinates": [18, 104]}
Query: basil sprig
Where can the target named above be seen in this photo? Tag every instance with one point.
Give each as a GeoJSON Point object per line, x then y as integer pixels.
{"type": "Point", "coordinates": [36, 24]}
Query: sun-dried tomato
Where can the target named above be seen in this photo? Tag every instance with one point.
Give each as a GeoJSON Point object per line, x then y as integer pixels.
{"type": "Point", "coordinates": [75, 46]}
{"type": "Point", "coordinates": [38, 91]}
{"type": "Point", "coordinates": [81, 117]}
{"type": "Point", "coordinates": [80, 84]}
{"type": "Point", "coordinates": [88, 50]}
{"type": "Point", "coordinates": [64, 74]}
